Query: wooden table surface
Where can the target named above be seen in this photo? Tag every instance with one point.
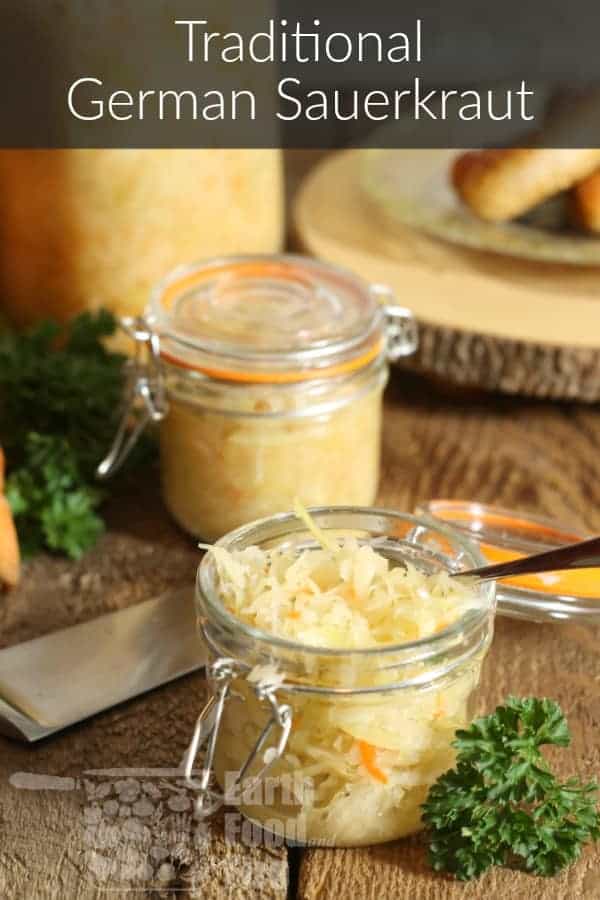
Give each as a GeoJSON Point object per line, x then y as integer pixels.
{"type": "Point", "coordinates": [110, 831]}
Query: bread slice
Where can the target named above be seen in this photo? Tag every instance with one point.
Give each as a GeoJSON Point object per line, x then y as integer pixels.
{"type": "Point", "coordinates": [584, 203]}
{"type": "Point", "coordinates": [499, 185]}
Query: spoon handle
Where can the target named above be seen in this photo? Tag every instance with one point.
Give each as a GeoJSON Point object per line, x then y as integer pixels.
{"type": "Point", "coordinates": [582, 555]}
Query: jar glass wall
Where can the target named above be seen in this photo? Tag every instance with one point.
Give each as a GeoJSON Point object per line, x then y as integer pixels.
{"type": "Point", "coordinates": [369, 730]}
{"type": "Point", "coordinates": [231, 454]}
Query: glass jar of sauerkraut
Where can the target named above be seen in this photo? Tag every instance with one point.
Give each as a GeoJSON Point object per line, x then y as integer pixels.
{"type": "Point", "coordinates": [266, 374]}
{"type": "Point", "coordinates": [343, 660]}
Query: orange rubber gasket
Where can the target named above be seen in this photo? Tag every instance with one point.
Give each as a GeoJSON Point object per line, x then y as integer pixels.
{"type": "Point", "coordinates": [279, 270]}
{"type": "Point", "coordinates": [451, 512]}
{"type": "Point", "coordinates": [351, 365]}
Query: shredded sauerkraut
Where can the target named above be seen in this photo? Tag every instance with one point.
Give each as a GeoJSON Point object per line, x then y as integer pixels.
{"type": "Point", "coordinates": [352, 598]}
{"type": "Point", "coordinates": [369, 756]}
{"type": "Point", "coordinates": [221, 468]}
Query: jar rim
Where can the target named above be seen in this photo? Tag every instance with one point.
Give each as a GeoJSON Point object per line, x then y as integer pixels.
{"type": "Point", "coordinates": [319, 396]}
{"type": "Point", "coordinates": [323, 320]}
{"type": "Point", "coordinates": [470, 620]}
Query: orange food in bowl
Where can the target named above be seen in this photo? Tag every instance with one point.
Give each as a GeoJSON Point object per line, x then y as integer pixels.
{"type": "Point", "coordinates": [573, 583]}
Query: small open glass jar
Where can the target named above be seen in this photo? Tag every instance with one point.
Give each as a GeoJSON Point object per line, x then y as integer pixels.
{"type": "Point", "coordinates": [266, 374]}
{"type": "Point", "coordinates": [331, 746]}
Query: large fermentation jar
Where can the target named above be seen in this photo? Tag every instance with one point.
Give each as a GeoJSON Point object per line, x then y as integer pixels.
{"type": "Point", "coordinates": [90, 228]}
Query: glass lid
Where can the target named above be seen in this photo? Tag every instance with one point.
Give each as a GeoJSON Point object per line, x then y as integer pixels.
{"type": "Point", "coordinates": [503, 535]}
{"type": "Point", "coordinates": [258, 318]}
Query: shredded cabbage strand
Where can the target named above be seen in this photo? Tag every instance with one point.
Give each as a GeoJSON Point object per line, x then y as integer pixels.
{"type": "Point", "coordinates": [344, 595]}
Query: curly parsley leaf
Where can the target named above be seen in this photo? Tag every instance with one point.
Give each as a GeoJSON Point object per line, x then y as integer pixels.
{"type": "Point", "coordinates": [62, 382]}
{"type": "Point", "coordinates": [60, 399]}
{"type": "Point", "coordinates": [502, 805]}
{"type": "Point", "coordinates": [52, 504]}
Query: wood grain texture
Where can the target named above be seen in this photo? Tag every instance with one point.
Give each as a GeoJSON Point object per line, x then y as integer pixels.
{"type": "Point", "coordinates": [518, 326]}
{"type": "Point", "coordinates": [511, 366]}
{"type": "Point", "coordinates": [437, 441]}
{"type": "Point", "coordinates": [78, 844]}
{"type": "Point", "coordinates": [525, 454]}
{"type": "Point", "coordinates": [454, 443]}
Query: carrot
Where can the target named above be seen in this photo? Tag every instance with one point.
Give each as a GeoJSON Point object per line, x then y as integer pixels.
{"type": "Point", "coordinates": [441, 710]}
{"type": "Point", "coordinates": [367, 757]}
{"type": "Point", "coordinates": [9, 545]}
{"type": "Point", "coordinates": [294, 614]}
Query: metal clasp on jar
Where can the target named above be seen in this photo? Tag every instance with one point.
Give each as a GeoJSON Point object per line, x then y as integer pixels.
{"type": "Point", "coordinates": [221, 673]}
{"type": "Point", "coordinates": [402, 333]}
{"type": "Point", "coordinates": [144, 399]}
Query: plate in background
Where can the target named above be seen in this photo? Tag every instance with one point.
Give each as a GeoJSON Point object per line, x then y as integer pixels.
{"type": "Point", "coordinates": [486, 320]}
{"type": "Point", "coordinates": [412, 187]}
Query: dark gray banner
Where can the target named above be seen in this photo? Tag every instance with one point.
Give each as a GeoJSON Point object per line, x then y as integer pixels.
{"type": "Point", "coordinates": [183, 73]}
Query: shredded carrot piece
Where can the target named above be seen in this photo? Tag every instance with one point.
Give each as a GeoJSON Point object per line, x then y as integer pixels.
{"type": "Point", "coordinates": [441, 709]}
{"type": "Point", "coordinates": [367, 757]}
{"type": "Point", "coordinates": [442, 624]}
{"type": "Point", "coordinates": [294, 614]}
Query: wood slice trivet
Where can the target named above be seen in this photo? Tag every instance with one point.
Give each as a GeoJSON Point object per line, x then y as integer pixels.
{"type": "Point", "coordinates": [490, 321]}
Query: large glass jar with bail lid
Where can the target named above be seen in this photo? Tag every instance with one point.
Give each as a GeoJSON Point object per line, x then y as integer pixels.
{"type": "Point", "coordinates": [266, 374]}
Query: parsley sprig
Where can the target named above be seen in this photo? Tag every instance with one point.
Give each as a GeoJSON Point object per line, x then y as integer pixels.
{"type": "Point", "coordinates": [502, 805]}
{"type": "Point", "coordinates": [60, 397]}
{"type": "Point", "coordinates": [53, 505]}
{"type": "Point", "coordinates": [60, 381]}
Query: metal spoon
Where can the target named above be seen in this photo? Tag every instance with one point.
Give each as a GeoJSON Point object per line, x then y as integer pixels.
{"type": "Point", "coordinates": [582, 555]}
